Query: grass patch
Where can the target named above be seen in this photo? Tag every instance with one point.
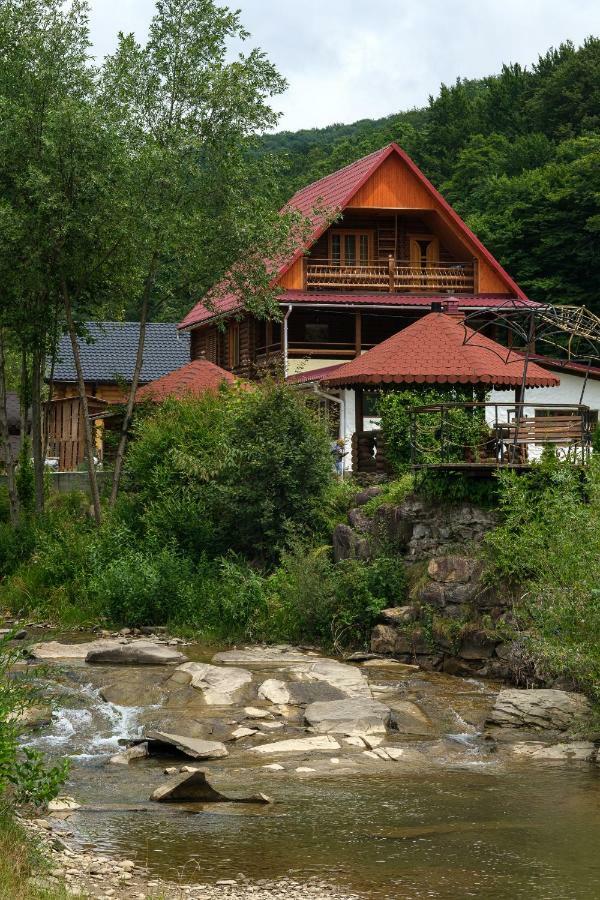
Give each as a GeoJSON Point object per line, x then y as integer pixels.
{"type": "Point", "coordinates": [22, 859]}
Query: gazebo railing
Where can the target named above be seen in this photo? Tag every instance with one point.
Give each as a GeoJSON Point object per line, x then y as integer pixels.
{"type": "Point", "coordinates": [475, 435]}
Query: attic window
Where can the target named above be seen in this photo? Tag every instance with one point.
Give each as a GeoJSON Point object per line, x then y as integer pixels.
{"type": "Point", "coordinates": [349, 248]}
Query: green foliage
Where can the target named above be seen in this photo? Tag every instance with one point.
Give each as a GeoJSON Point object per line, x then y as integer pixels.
{"type": "Point", "coordinates": [24, 477]}
{"type": "Point", "coordinates": [234, 471]}
{"type": "Point", "coordinates": [436, 437]}
{"type": "Point", "coordinates": [456, 487]}
{"type": "Point", "coordinates": [549, 545]}
{"type": "Point", "coordinates": [21, 769]}
{"type": "Point", "coordinates": [335, 604]}
{"type": "Point", "coordinates": [277, 472]}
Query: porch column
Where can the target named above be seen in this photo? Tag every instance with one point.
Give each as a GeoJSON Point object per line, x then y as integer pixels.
{"type": "Point", "coordinates": [358, 407]}
{"type": "Point", "coordinates": [357, 333]}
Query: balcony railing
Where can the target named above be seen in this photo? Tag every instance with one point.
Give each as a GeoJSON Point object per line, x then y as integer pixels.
{"type": "Point", "coordinates": [394, 276]}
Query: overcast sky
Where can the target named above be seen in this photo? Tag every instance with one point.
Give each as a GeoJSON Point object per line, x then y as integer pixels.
{"type": "Point", "coordinates": [351, 59]}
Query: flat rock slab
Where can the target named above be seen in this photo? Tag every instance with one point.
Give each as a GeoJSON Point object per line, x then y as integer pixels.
{"type": "Point", "coordinates": [297, 693]}
{"type": "Point", "coordinates": [576, 751]}
{"type": "Point", "coordinates": [408, 718]}
{"type": "Point", "coordinates": [300, 745]}
{"type": "Point", "coordinates": [259, 657]}
{"type": "Point", "coordinates": [347, 679]}
{"type": "Point", "coordinates": [349, 717]}
{"type": "Point", "coordinates": [220, 686]}
{"type": "Point", "coordinates": [195, 788]}
{"type": "Point", "coordinates": [55, 650]}
{"type": "Point", "coordinates": [192, 747]}
{"type": "Point", "coordinates": [138, 653]}
{"type": "Point", "coordinates": [539, 708]}
{"type": "Point", "coordinates": [303, 666]}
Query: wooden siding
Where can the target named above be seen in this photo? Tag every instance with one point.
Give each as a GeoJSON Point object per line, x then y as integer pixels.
{"type": "Point", "coordinates": [394, 186]}
{"type": "Point", "coordinates": [65, 427]}
{"type": "Point", "coordinates": [293, 280]}
{"type": "Point", "coordinates": [111, 393]}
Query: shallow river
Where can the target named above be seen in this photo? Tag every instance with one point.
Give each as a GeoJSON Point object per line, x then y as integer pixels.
{"type": "Point", "coordinates": [474, 826]}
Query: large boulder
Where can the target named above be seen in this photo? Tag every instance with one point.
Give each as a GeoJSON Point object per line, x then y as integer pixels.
{"type": "Point", "coordinates": [454, 569]}
{"type": "Point", "coordinates": [54, 650]}
{"type": "Point", "coordinates": [138, 653]}
{"type": "Point", "coordinates": [320, 743]}
{"type": "Point", "coordinates": [219, 685]}
{"type": "Point", "coordinates": [347, 544]}
{"type": "Point", "coordinates": [349, 717]}
{"type": "Point", "coordinates": [161, 742]}
{"type": "Point", "coordinates": [134, 688]}
{"type": "Point", "coordinates": [540, 708]}
{"type": "Point", "coordinates": [277, 655]}
{"type": "Point", "coordinates": [408, 718]}
{"type": "Point", "coordinates": [194, 788]}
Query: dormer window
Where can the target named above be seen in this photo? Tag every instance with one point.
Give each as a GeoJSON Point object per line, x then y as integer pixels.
{"type": "Point", "coordinates": [350, 248]}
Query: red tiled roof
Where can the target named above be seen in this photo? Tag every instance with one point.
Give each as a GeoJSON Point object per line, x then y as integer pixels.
{"type": "Point", "coordinates": [194, 378]}
{"type": "Point", "coordinates": [568, 365]}
{"type": "Point", "coordinates": [313, 374]}
{"type": "Point", "coordinates": [334, 192]}
{"type": "Point", "coordinates": [433, 351]}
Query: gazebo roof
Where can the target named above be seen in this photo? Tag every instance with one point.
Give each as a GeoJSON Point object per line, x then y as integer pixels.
{"type": "Point", "coordinates": [440, 349]}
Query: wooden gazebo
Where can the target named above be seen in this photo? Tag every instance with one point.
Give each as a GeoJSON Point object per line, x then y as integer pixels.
{"type": "Point", "coordinates": [440, 349]}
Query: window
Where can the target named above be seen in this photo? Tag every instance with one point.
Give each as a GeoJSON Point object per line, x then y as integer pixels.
{"type": "Point", "coordinates": [350, 248]}
{"type": "Point", "coordinates": [424, 250]}
{"type": "Point", "coordinates": [234, 345]}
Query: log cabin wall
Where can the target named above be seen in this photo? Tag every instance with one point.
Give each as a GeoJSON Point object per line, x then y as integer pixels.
{"type": "Point", "coordinates": [390, 235]}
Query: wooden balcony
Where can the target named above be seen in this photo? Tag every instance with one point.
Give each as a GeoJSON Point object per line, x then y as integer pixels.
{"type": "Point", "coordinates": [396, 276]}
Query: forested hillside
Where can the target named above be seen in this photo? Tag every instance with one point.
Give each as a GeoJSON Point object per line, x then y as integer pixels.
{"type": "Point", "coordinates": [517, 154]}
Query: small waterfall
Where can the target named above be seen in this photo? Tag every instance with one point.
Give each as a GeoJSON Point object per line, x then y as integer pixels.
{"type": "Point", "coordinates": [93, 730]}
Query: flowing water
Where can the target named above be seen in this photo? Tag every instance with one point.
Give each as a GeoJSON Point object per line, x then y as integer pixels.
{"type": "Point", "coordinates": [475, 825]}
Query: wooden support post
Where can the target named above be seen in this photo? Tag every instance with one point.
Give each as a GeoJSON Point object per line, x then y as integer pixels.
{"type": "Point", "coordinates": [475, 275]}
{"type": "Point", "coordinates": [392, 273]}
{"type": "Point", "coordinates": [358, 407]}
{"type": "Point", "coordinates": [357, 333]}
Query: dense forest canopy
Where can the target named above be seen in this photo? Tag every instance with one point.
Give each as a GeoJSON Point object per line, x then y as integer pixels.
{"type": "Point", "coordinates": [517, 154]}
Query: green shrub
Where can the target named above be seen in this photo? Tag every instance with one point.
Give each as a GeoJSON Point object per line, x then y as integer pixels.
{"type": "Point", "coordinates": [140, 586]}
{"type": "Point", "coordinates": [463, 429]}
{"type": "Point", "coordinates": [456, 487]}
{"type": "Point", "coordinates": [335, 604]}
{"type": "Point", "coordinates": [549, 545]}
{"type": "Point", "coordinates": [234, 472]}
{"type": "Point", "coordinates": [22, 770]}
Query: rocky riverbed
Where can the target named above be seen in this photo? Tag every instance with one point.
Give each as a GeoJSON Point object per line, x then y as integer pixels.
{"type": "Point", "coordinates": [328, 776]}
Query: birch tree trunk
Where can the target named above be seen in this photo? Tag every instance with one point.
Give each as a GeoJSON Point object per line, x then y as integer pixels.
{"type": "Point", "coordinates": [9, 462]}
{"type": "Point", "coordinates": [87, 425]}
{"type": "Point", "coordinates": [37, 428]}
{"type": "Point", "coordinates": [139, 361]}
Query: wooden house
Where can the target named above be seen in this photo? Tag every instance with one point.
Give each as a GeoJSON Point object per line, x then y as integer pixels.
{"type": "Point", "coordinates": [108, 352]}
{"type": "Point", "coordinates": [396, 251]}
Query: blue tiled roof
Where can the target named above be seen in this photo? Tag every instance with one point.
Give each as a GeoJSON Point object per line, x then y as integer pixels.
{"type": "Point", "coordinates": [109, 350]}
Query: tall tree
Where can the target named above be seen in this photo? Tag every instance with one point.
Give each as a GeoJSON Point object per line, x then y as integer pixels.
{"type": "Point", "coordinates": [190, 115]}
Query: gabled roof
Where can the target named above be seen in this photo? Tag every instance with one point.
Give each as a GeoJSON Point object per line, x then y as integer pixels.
{"type": "Point", "coordinates": [108, 353]}
{"type": "Point", "coordinates": [440, 349]}
{"type": "Point", "coordinates": [570, 366]}
{"type": "Point", "coordinates": [194, 378]}
{"type": "Point", "coordinates": [334, 192]}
